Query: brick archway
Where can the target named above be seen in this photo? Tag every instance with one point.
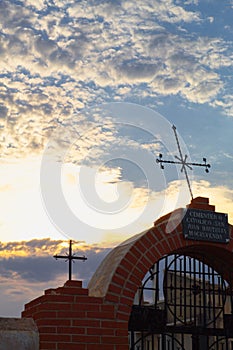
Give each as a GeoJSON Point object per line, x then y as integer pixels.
{"type": "Point", "coordinates": [120, 274]}
{"type": "Point", "coordinates": [94, 318]}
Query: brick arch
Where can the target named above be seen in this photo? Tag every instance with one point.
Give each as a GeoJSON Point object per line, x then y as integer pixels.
{"type": "Point", "coordinates": [72, 317]}
{"type": "Point", "coordinates": [120, 274]}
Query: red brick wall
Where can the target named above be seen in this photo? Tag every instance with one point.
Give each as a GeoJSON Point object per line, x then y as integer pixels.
{"type": "Point", "coordinates": [67, 319]}
{"type": "Point", "coordinates": [74, 318]}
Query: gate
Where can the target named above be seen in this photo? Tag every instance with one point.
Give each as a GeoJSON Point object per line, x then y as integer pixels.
{"type": "Point", "coordinates": [183, 304]}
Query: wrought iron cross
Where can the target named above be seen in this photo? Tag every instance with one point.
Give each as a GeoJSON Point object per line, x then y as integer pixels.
{"type": "Point", "coordinates": [182, 160]}
{"type": "Point", "coordinates": [70, 257]}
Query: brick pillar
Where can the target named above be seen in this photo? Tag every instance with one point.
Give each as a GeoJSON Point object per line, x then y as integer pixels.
{"type": "Point", "coordinates": [68, 319]}
{"type": "Point", "coordinates": [201, 203]}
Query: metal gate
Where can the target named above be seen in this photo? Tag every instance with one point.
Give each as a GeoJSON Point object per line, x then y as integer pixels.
{"type": "Point", "coordinates": [183, 304]}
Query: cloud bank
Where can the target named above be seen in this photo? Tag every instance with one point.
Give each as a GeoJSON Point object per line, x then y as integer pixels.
{"type": "Point", "coordinates": [58, 57]}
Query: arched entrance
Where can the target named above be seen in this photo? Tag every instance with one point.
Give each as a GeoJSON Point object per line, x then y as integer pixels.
{"type": "Point", "coordinates": [123, 272]}
{"type": "Point", "coordinates": [189, 305]}
{"type": "Point", "coordinates": [183, 304]}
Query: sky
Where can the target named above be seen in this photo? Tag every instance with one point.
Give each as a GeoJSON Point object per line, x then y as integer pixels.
{"type": "Point", "coordinates": [89, 92]}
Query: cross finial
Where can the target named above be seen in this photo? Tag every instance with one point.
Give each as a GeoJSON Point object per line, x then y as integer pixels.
{"type": "Point", "coordinates": [182, 160]}
{"type": "Point", "coordinates": [70, 257]}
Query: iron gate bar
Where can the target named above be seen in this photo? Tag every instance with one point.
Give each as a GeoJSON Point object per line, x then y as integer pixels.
{"type": "Point", "coordinates": [152, 340]}
{"type": "Point", "coordinates": [212, 276]}
{"type": "Point", "coordinates": [185, 286]}
{"type": "Point", "coordinates": [231, 291]}
{"type": "Point", "coordinates": [204, 308]}
{"type": "Point", "coordinates": [157, 285]}
{"type": "Point", "coordinates": [175, 297]}
{"type": "Point", "coordinates": [202, 283]}
{"type": "Point", "coordinates": [181, 288]}
{"type": "Point", "coordinates": [209, 293]}
{"type": "Point", "coordinates": [217, 342]}
{"type": "Point", "coordinates": [142, 341]}
{"type": "Point", "coordinates": [190, 277]}
{"type": "Point", "coordinates": [195, 294]}
{"type": "Point", "coordinates": [196, 330]}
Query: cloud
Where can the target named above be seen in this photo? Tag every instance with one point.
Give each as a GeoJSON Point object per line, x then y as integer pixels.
{"type": "Point", "coordinates": [226, 103]}
{"type": "Point", "coordinates": [55, 60]}
{"type": "Point", "coordinates": [174, 14]}
{"type": "Point", "coordinates": [165, 11]}
{"type": "Point", "coordinates": [34, 247]}
{"type": "Point", "coordinates": [45, 46]}
{"type": "Point", "coordinates": [33, 260]}
{"type": "Point", "coordinates": [3, 112]}
{"type": "Point", "coordinates": [220, 196]}
{"type": "Point", "coordinates": [135, 72]}
{"type": "Point", "coordinates": [28, 268]}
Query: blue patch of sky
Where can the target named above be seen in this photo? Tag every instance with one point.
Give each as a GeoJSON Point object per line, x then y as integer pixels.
{"type": "Point", "coordinates": [90, 84]}
{"type": "Point", "coordinates": [17, 2]}
{"type": "Point", "coordinates": [86, 21]}
{"type": "Point", "coordinates": [49, 81]}
{"type": "Point", "coordinates": [58, 82]}
{"type": "Point", "coordinates": [136, 134]}
{"type": "Point", "coordinates": [24, 71]}
{"type": "Point", "coordinates": [49, 8]}
{"type": "Point", "coordinates": [135, 95]}
{"type": "Point", "coordinates": [64, 78]}
{"type": "Point", "coordinates": [129, 171]}
{"type": "Point", "coordinates": [221, 11]}
{"type": "Point", "coordinates": [113, 2]}
{"type": "Point", "coordinates": [206, 133]}
{"type": "Point", "coordinates": [4, 75]}
{"type": "Point", "coordinates": [192, 118]}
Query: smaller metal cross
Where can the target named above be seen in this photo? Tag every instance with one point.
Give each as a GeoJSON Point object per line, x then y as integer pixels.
{"type": "Point", "coordinates": [70, 257]}
{"type": "Point", "coordinates": [182, 161]}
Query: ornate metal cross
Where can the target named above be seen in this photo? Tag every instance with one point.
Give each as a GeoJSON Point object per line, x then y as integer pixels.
{"type": "Point", "coordinates": [70, 257]}
{"type": "Point", "coordinates": [182, 161]}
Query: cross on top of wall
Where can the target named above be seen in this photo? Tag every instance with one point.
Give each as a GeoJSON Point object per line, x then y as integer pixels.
{"type": "Point", "coordinates": [70, 257]}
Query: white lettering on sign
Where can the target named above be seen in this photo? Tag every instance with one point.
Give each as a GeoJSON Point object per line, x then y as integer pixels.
{"type": "Point", "coordinates": [206, 225]}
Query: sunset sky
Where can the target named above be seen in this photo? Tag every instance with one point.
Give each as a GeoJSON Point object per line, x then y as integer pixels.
{"type": "Point", "coordinates": [89, 92]}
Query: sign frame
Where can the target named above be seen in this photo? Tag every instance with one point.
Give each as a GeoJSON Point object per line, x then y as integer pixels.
{"type": "Point", "coordinates": [205, 225]}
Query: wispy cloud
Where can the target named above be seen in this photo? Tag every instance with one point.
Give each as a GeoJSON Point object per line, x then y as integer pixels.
{"type": "Point", "coordinates": [56, 59]}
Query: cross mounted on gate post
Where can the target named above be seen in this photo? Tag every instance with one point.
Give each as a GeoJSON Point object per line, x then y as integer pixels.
{"type": "Point", "coordinates": [70, 257]}
{"type": "Point", "coordinates": [182, 160]}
